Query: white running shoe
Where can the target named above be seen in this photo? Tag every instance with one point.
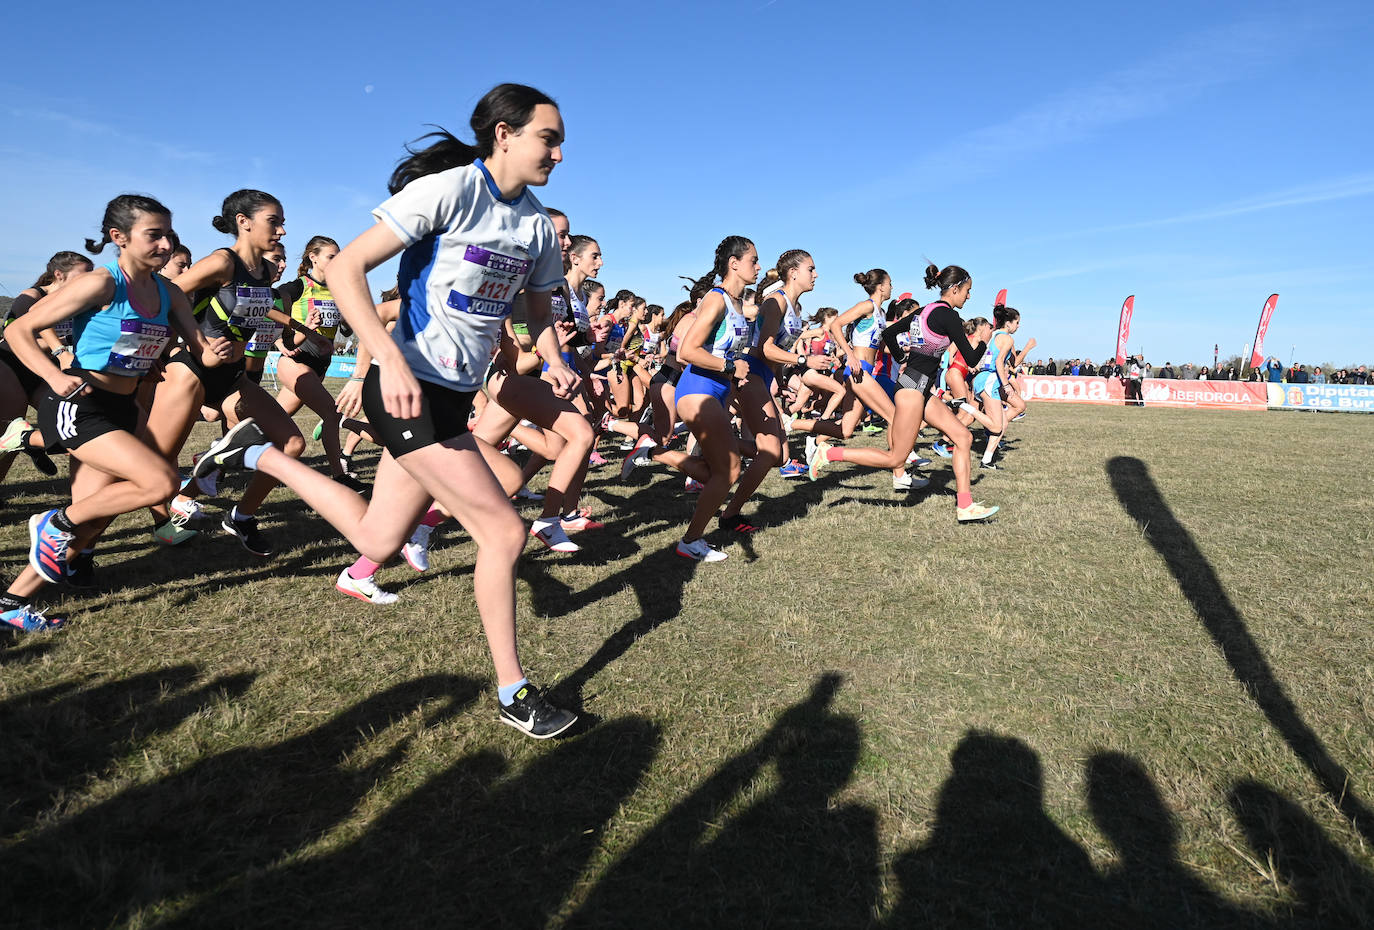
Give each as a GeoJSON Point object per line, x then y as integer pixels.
{"type": "Point", "coordinates": [700, 550]}
{"type": "Point", "coordinates": [810, 447]}
{"type": "Point", "coordinates": [364, 589]}
{"type": "Point", "coordinates": [416, 549]}
{"type": "Point", "coordinates": [553, 536]}
{"type": "Point", "coordinates": [787, 419]}
{"type": "Point", "coordinates": [975, 511]}
{"type": "Point", "coordinates": [185, 509]}
{"type": "Point", "coordinates": [909, 482]}
{"type": "Point", "coordinates": [639, 453]}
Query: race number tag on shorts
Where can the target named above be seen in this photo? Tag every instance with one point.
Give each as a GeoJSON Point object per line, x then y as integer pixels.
{"type": "Point", "coordinates": [138, 346]}
{"type": "Point", "coordinates": [64, 331]}
{"type": "Point", "coordinates": [487, 282]}
{"type": "Point", "coordinates": [264, 336]}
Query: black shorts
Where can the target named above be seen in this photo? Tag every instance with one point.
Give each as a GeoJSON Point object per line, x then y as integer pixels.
{"type": "Point", "coordinates": [71, 423]}
{"type": "Point", "coordinates": [29, 381]}
{"type": "Point", "coordinates": [319, 364]}
{"type": "Point", "coordinates": [912, 379]}
{"type": "Point", "coordinates": [443, 415]}
{"type": "Point", "coordinates": [219, 382]}
{"type": "Point", "coordinates": [668, 374]}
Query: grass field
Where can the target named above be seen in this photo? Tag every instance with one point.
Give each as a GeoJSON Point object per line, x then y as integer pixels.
{"type": "Point", "coordinates": [1142, 697]}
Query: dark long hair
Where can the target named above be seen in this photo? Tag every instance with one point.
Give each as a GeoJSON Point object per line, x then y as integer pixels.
{"type": "Point", "coordinates": [121, 214]}
{"type": "Point", "coordinates": [512, 104]}
{"type": "Point", "coordinates": [63, 262]}
{"type": "Point", "coordinates": [730, 247]}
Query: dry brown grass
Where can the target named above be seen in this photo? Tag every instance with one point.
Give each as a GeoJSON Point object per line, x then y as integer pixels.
{"type": "Point", "coordinates": [1123, 703]}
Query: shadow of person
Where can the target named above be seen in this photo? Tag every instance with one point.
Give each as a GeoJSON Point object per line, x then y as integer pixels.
{"type": "Point", "coordinates": [53, 741]}
{"type": "Point", "coordinates": [1142, 501]}
{"type": "Point", "coordinates": [203, 825]}
{"type": "Point", "coordinates": [21, 648]}
{"type": "Point", "coordinates": [734, 855]}
{"type": "Point", "coordinates": [994, 857]}
{"type": "Point", "coordinates": [475, 846]}
{"type": "Point", "coordinates": [1332, 889]}
{"type": "Point", "coordinates": [1150, 882]}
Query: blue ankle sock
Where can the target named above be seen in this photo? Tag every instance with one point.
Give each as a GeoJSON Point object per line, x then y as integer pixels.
{"type": "Point", "coordinates": [253, 453]}
{"type": "Point", "coordinates": [506, 693]}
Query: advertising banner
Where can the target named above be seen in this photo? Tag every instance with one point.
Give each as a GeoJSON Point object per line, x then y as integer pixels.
{"type": "Point", "coordinates": [1157, 392]}
{"type": "Point", "coordinates": [1123, 329]}
{"type": "Point", "coordinates": [1257, 353]}
{"type": "Point", "coordinates": [340, 366]}
{"type": "Point", "coordinates": [1347, 397]}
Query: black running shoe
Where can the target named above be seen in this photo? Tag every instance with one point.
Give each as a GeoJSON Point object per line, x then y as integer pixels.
{"type": "Point", "coordinates": [228, 449]}
{"type": "Point", "coordinates": [534, 716]}
{"type": "Point", "coordinates": [42, 462]}
{"type": "Point", "coordinates": [352, 483]}
{"type": "Point", "coordinates": [247, 532]}
{"type": "Point", "coordinates": [81, 571]}
{"type": "Point", "coordinates": [737, 524]}
{"type": "Point", "coordinates": [989, 466]}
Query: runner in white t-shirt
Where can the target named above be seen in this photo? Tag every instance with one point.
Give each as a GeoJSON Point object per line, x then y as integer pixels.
{"type": "Point", "coordinates": [471, 235]}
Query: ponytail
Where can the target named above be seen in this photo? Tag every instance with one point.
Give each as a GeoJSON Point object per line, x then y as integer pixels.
{"type": "Point", "coordinates": [946, 279]}
{"type": "Point", "coordinates": [512, 104]}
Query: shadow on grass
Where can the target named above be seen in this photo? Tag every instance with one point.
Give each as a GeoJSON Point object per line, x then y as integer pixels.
{"type": "Point", "coordinates": [52, 742]}
{"type": "Point", "coordinates": [734, 855]}
{"type": "Point", "coordinates": [23, 647]}
{"type": "Point", "coordinates": [1198, 581]}
{"type": "Point", "coordinates": [213, 821]}
{"type": "Point", "coordinates": [476, 846]}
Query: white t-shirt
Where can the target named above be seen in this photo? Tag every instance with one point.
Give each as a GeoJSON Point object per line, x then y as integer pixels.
{"type": "Point", "coordinates": [468, 253]}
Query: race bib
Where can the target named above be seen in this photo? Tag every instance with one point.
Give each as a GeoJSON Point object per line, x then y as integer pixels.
{"type": "Point", "coordinates": [328, 312]}
{"type": "Point", "coordinates": [264, 337]}
{"type": "Point", "coordinates": [250, 306]}
{"type": "Point", "coordinates": [138, 345]}
{"type": "Point", "coordinates": [487, 282]}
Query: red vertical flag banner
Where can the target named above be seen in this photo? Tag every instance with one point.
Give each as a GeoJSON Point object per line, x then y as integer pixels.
{"type": "Point", "coordinates": [1123, 330]}
{"type": "Point", "coordinates": [1001, 300]}
{"type": "Point", "coordinates": [1257, 353]}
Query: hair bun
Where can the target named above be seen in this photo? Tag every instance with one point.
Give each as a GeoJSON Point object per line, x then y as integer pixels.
{"type": "Point", "coordinates": [932, 275]}
{"type": "Point", "coordinates": [222, 225]}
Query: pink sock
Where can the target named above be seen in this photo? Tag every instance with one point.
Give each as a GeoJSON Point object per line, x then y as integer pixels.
{"type": "Point", "coordinates": [363, 568]}
{"type": "Point", "coordinates": [965, 499]}
{"type": "Point", "coordinates": [433, 518]}
{"type": "Point", "coordinates": [834, 454]}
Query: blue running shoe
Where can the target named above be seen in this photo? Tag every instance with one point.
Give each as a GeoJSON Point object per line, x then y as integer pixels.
{"type": "Point", "coordinates": [48, 548]}
{"type": "Point", "coordinates": [940, 449]}
{"type": "Point", "coordinates": [792, 469]}
{"type": "Point", "coordinates": [27, 620]}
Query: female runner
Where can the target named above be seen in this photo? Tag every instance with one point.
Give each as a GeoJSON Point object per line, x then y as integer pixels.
{"type": "Point", "coordinates": [778, 326]}
{"type": "Point", "coordinates": [20, 387]}
{"type": "Point", "coordinates": [472, 234]}
{"type": "Point", "coordinates": [301, 370]}
{"type": "Point", "coordinates": [122, 314]}
{"type": "Point", "coordinates": [875, 393]}
{"type": "Point", "coordinates": [919, 339]}
{"type": "Point", "coordinates": [713, 360]}
{"type": "Point", "coordinates": [232, 294]}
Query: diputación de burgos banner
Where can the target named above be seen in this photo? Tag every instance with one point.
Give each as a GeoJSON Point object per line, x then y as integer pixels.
{"type": "Point", "coordinates": [1355, 398]}
{"type": "Point", "coordinates": [1160, 392]}
{"type": "Point", "coordinates": [340, 366]}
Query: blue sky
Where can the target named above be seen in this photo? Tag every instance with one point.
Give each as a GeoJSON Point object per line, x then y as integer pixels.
{"type": "Point", "coordinates": [1200, 157]}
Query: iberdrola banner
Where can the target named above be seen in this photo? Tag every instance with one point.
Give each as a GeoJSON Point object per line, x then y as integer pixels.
{"type": "Point", "coordinates": [1257, 353]}
{"type": "Point", "coordinates": [1123, 331]}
